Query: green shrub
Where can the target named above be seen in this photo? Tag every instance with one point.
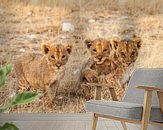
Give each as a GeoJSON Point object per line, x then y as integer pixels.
{"type": "Point", "coordinates": [3, 73]}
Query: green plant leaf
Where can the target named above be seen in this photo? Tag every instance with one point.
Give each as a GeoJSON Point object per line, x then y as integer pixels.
{"type": "Point", "coordinates": [5, 107]}
{"type": "Point", "coordinates": [8, 126]}
{"type": "Point", "coordinates": [21, 98]}
{"type": "Point", "coordinates": [24, 97]}
{"type": "Point", "coordinates": [4, 72]}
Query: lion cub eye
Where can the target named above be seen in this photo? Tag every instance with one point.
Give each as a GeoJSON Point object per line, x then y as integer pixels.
{"type": "Point", "coordinates": [105, 50]}
{"type": "Point", "coordinates": [63, 56]}
{"type": "Point", "coordinates": [52, 56]}
{"type": "Point", "coordinates": [94, 50]}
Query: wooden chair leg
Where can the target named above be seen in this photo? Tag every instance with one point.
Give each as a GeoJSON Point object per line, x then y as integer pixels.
{"type": "Point", "coordinates": [94, 122]}
{"type": "Point", "coordinates": [146, 109]}
{"type": "Point", "coordinates": [124, 125]}
{"type": "Point", "coordinates": [160, 98]}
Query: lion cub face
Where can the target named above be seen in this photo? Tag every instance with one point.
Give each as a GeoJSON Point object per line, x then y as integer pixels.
{"type": "Point", "coordinates": [126, 50]}
{"type": "Point", "coordinates": [100, 49]}
{"type": "Point", "coordinates": [57, 54]}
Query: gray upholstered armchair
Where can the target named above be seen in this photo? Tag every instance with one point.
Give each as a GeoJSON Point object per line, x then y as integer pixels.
{"type": "Point", "coordinates": [142, 103]}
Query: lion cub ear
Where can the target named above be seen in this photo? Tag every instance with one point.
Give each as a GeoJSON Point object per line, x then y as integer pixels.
{"type": "Point", "coordinates": [114, 42]}
{"type": "Point", "coordinates": [45, 47]}
{"type": "Point", "coordinates": [88, 42]}
{"type": "Point", "coordinates": [138, 41]}
{"type": "Point", "coordinates": [69, 48]}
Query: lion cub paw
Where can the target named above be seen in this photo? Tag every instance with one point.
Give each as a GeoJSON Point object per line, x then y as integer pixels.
{"type": "Point", "coordinates": [90, 75]}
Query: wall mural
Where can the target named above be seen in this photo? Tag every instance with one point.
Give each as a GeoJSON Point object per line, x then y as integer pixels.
{"type": "Point", "coordinates": [59, 47]}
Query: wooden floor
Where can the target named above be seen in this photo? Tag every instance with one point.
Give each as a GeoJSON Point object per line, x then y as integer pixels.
{"type": "Point", "coordinates": [52, 121]}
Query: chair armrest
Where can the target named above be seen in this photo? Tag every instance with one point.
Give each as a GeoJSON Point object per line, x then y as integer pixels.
{"type": "Point", "coordinates": [159, 93]}
{"type": "Point", "coordinates": [147, 88]}
{"type": "Point", "coordinates": [100, 85]}
{"type": "Point", "coordinates": [148, 100]}
{"type": "Point", "coordinates": [98, 90]}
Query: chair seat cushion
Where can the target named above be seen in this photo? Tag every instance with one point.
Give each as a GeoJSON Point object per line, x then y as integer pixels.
{"type": "Point", "coordinates": [131, 111]}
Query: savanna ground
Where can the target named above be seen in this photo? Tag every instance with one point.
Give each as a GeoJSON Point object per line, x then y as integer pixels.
{"type": "Point", "coordinates": [24, 25]}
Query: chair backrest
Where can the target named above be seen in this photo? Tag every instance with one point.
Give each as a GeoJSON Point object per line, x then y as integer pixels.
{"type": "Point", "coordinates": [144, 77]}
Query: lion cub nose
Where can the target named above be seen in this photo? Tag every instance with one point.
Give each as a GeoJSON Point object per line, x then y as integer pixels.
{"type": "Point", "coordinates": [100, 57]}
{"type": "Point", "coordinates": [58, 65]}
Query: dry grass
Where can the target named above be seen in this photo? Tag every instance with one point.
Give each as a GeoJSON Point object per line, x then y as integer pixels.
{"type": "Point", "coordinates": [152, 6]}
{"type": "Point", "coordinates": [24, 25]}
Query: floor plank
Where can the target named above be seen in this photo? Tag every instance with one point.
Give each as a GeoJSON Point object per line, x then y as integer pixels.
{"type": "Point", "coordinates": [54, 121]}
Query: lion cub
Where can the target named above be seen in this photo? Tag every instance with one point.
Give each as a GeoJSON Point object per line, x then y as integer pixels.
{"type": "Point", "coordinates": [125, 54]}
{"type": "Point", "coordinates": [126, 50]}
{"type": "Point", "coordinates": [100, 63]}
{"type": "Point", "coordinates": [43, 71]}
